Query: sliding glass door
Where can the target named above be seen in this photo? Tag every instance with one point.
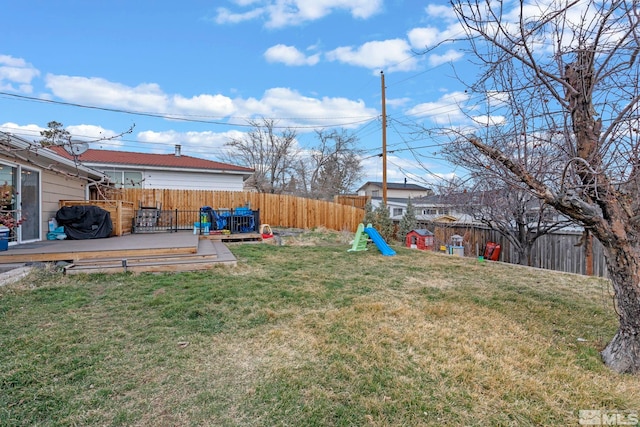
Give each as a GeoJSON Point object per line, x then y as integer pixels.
{"type": "Point", "coordinates": [30, 205]}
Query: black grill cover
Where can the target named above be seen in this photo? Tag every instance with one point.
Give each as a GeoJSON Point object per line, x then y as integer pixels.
{"type": "Point", "coordinates": [84, 222]}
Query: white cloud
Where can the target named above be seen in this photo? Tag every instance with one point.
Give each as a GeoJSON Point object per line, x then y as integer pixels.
{"type": "Point", "coordinates": [282, 13]}
{"type": "Point", "coordinates": [212, 105]}
{"type": "Point", "coordinates": [397, 102]}
{"type": "Point", "coordinates": [275, 102]}
{"type": "Point", "coordinates": [207, 144]}
{"type": "Point", "coordinates": [284, 102]}
{"type": "Point", "coordinates": [78, 132]}
{"type": "Point", "coordinates": [441, 11]}
{"type": "Point", "coordinates": [89, 132]}
{"type": "Point", "coordinates": [289, 55]}
{"type": "Point", "coordinates": [225, 16]}
{"type": "Point", "coordinates": [486, 120]}
{"type": "Point", "coordinates": [145, 97]}
{"type": "Point", "coordinates": [205, 139]}
{"type": "Point", "coordinates": [449, 56]}
{"type": "Point", "coordinates": [29, 132]}
{"type": "Point", "coordinates": [399, 168]}
{"type": "Point", "coordinates": [427, 37]}
{"type": "Point", "coordinates": [497, 98]}
{"type": "Point", "coordinates": [445, 110]}
{"type": "Point", "coordinates": [422, 38]}
{"type": "Point", "coordinates": [390, 55]}
{"type": "Point", "coordinates": [16, 74]}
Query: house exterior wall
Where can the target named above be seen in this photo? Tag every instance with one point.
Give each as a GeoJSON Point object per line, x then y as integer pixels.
{"type": "Point", "coordinates": [184, 179]}
{"type": "Point", "coordinates": [424, 211]}
{"type": "Point", "coordinates": [373, 190]}
{"type": "Point", "coordinates": [56, 187]}
{"type": "Point", "coordinates": [171, 180]}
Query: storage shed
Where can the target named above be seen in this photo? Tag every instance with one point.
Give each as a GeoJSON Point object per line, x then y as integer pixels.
{"type": "Point", "coordinates": [420, 239]}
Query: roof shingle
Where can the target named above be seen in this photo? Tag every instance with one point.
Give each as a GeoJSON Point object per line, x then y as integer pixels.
{"type": "Point", "coordinates": [147, 159]}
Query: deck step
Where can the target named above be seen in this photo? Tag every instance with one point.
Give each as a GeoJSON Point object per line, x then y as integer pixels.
{"type": "Point", "coordinates": [209, 255]}
{"type": "Point", "coordinates": [205, 251]}
{"type": "Point", "coordinates": [240, 237]}
{"type": "Point", "coordinates": [173, 266]}
{"type": "Point", "coordinates": [143, 253]}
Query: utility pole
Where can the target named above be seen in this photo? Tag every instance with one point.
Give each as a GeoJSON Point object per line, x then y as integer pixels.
{"type": "Point", "coordinates": [384, 143]}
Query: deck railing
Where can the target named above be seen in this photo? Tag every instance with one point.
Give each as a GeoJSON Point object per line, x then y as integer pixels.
{"type": "Point", "coordinates": [202, 221]}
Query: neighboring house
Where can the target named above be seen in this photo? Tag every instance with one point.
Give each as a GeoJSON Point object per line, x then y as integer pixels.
{"type": "Point", "coordinates": [427, 209]}
{"type": "Point", "coordinates": [33, 180]}
{"type": "Point", "coordinates": [394, 190]}
{"type": "Point", "coordinates": [162, 171]}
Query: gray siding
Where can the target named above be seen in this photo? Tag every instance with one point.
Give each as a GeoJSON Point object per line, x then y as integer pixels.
{"type": "Point", "coordinates": [56, 187]}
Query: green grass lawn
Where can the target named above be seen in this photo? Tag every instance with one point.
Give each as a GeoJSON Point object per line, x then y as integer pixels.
{"type": "Point", "coordinates": [309, 334]}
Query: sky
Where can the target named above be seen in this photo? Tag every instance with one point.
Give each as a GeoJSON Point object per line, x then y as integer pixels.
{"type": "Point", "coordinates": [195, 72]}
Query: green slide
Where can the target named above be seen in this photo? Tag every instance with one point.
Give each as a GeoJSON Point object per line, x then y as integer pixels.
{"type": "Point", "coordinates": [360, 241]}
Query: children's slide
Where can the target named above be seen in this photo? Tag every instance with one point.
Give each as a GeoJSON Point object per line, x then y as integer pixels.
{"type": "Point", "coordinates": [376, 238]}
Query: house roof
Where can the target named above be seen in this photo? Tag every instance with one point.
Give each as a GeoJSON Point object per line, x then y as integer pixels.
{"type": "Point", "coordinates": [111, 157]}
{"type": "Point", "coordinates": [396, 186]}
{"type": "Point", "coordinates": [421, 231]}
{"type": "Point", "coordinates": [47, 159]}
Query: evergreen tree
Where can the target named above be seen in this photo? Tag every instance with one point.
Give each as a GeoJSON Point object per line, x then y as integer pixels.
{"type": "Point", "coordinates": [369, 216]}
{"type": "Point", "coordinates": [383, 222]}
{"type": "Point", "coordinates": [408, 221]}
{"type": "Point", "coordinates": [56, 134]}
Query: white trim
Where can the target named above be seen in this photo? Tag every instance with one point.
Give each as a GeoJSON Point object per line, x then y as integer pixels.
{"type": "Point", "coordinates": [106, 166]}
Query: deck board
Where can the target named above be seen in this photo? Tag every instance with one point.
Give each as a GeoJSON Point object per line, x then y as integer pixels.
{"type": "Point", "coordinates": [141, 245]}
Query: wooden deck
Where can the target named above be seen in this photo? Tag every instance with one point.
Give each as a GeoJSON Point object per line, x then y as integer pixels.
{"type": "Point", "coordinates": [158, 252]}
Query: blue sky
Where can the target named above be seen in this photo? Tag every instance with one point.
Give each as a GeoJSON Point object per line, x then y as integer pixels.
{"type": "Point", "coordinates": [193, 72]}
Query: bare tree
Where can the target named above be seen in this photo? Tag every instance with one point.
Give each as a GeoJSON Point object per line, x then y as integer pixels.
{"type": "Point", "coordinates": [572, 67]}
{"type": "Point", "coordinates": [493, 199]}
{"type": "Point", "coordinates": [332, 167]}
{"type": "Point", "coordinates": [270, 154]}
{"type": "Point", "coordinates": [516, 214]}
{"type": "Point", "coordinates": [57, 135]}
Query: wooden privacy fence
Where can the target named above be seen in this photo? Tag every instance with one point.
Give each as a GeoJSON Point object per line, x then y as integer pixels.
{"type": "Point", "coordinates": [350, 200]}
{"type": "Point", "coordinates": [276, 210]}
{"type": "Point", "coordinates": [560, 251]}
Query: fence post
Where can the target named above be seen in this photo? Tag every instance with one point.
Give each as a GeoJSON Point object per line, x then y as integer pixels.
{"type": "Point", "coordinates": [175, 217]}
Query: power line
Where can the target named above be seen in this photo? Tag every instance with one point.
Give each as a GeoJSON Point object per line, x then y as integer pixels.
{"type": "Point", "coordinates": [193, 119]}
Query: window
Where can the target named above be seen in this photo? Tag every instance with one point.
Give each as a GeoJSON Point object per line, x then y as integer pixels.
{"type": "Point", "coordinates": [397, 211]}
{"type": "Point", "coordinates": [132, 179]}
{"type": "Point", "coordinates": [122, 179]}
{"type": "Point", "coordinates": [375, 193]}
{"type": "Point", "coordinates": [429, 211]}
{"type": "Point", "coordinates": [20, 202]}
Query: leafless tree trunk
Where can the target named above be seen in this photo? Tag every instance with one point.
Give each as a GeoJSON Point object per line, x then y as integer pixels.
{"type": "Point", "coordinates": [578, 60]}
{"type": "Point", "coordinates": [270, 154]}
{"type": "Point", "coordinates": [517, 214]}
{"type": "Point", "coordinates": [331, 167]}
